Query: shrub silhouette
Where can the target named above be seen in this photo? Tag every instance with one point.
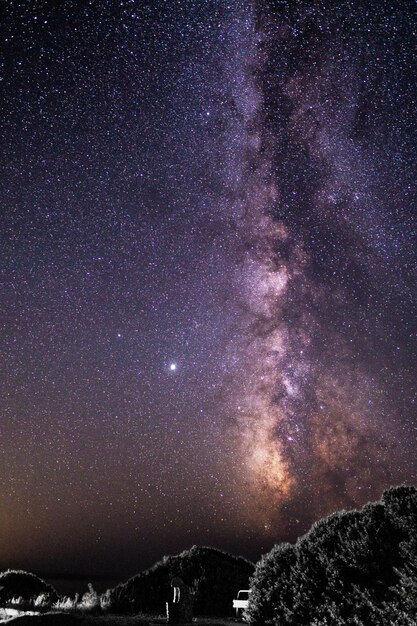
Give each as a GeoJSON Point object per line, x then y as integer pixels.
{"type": "Point", "coordinates": [90, 600]}
{"type": "Point", "coordinates": [214, 577]}
{"type": "Point", "coordinates": [24, 585]}
{"type": "Point", "coordinates": [66, 603]}
{"type": "Point", "coordinates": [355, 567]}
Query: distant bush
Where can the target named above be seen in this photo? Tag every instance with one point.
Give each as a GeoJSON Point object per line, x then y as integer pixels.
{"type": "Point", "coordinates": [90, 600]}
{"type": "Point", "coordinates": [214, 578]}
{"type": "Point", "coordinates": [26, 587]}
{"type": "Point", "coordinates": [105, 600]}
{"type": "Point", "coordinates": [66, 603]}
{"type": "Point", "coordinates": [352, 568]}
{"type": "Point", "coordinates": [43, 601]}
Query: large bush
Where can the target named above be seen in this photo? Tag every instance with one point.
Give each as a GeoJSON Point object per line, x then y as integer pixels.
{"type": "Point", "coordinates": [214, 578]}
{"type": "Point", "coordinates": [356, 567]}
{"type": "Point", "coordinates": [19, 584]}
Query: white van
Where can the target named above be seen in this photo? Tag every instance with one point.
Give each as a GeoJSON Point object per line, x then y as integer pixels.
{"type": "Point", "coordinates": [242, 601]}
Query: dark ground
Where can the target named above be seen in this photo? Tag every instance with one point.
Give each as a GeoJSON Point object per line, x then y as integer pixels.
{"type": "Point", "coordinates": [65, 619]}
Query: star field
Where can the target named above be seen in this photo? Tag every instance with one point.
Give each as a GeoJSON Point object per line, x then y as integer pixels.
{"type": "Point", "coordinates": [207, 273]}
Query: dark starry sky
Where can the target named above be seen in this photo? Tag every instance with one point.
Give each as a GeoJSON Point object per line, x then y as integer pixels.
{"type": "Point", "coordinates": [227, 187]}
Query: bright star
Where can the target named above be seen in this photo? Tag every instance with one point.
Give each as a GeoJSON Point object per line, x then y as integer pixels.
{"type": "Point", "coordinates": [173, 367]}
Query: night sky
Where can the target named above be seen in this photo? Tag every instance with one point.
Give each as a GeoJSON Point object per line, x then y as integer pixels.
{"type": "Point", "coordinates": [207, 257]}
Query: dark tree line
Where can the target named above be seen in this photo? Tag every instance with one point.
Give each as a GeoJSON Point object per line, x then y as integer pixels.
{"type": "Point", "coordinates": [352, 568]}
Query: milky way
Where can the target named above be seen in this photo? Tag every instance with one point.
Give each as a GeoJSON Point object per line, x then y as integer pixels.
{"type": "Point", "coordinates": [207, 272]}
{"type": "Point", "coordinates": [327, 273]}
